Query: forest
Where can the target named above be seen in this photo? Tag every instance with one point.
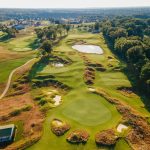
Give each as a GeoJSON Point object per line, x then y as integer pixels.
{"type": "Point", "coordinates": [129, 38]}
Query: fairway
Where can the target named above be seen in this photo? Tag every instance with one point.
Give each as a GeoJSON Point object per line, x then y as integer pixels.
{"type": "Point", "coordinates": [81, 108]}
{"type": "Point", "coordinates": [24, 41]}
{"type": "Point", "coordinates": [88, 111]}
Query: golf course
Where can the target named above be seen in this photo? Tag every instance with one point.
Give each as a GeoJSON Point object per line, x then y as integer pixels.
{"type": "Point", "coordinates": [80, 106]}
{"type": "Point", "coordinates": [81, 83]}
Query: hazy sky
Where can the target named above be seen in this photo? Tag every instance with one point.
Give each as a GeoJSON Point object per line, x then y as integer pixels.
{"type": "Point", "coordinates": [71, 3]}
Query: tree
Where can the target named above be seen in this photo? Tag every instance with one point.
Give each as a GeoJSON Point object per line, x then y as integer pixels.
{"type": "Point", "coordinates": [49, 34]}
{"type": "Point", "coordinates": [123, 44]}
{"type": "Point", "coordinates": [39, 33]}
{"type": "Point", "coordinates": [145, 72]}
{"type": "Point", "coordinates": [97, 26]}
{"type": "Point", "coordinates": [134, 54]}
{"type": "Point", "coordinates": [47, 46]}
{"type": "Point", "coordinates": [67, 28]}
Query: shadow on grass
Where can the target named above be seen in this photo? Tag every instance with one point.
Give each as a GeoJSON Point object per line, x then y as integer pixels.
{"type": "Point", "coordinates": [4, 38]}
{"type": "Point", "coordinates": [136, 85]}
{"type": "Point", "coordinates": [35, 44]}
{"type": "Point", "coordinates": [105, 147]}
{"type": "Point", "coordinates": [38, 66]}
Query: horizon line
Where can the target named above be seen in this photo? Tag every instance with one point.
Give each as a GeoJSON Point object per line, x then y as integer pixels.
{"type": "Point", "coordinates": [75, 7]}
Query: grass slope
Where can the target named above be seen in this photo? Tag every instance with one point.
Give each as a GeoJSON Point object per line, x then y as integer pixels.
{"type": "Point", "coordinates": [7, 66]}
{"type": "Point", "coordinates": [25, 40]}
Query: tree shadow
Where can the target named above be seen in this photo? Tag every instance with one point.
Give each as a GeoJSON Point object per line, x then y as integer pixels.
{"type": "Point", "coordinates": [4, 38]}
{"type": "Point", "coordinates": [136, 85]}
{"type": "Point", "coordinates": [38, 67]}
{"type": "Point", "coordinates": [35, 44]}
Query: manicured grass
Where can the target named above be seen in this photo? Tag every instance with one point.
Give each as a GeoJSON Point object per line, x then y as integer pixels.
{"type": "Point", "coordinates": [25, 40]}
{"type": "Point", "coordinates": [7, 66]}
{"type": "Point", "coordinates": [122, 145]}
{"type": "Point", "coordinates": [12, 59]}
{"type": "Point", "coordinates": [81, 108]}
{"type": "Point", "coordinates": [20, 44]}
{"type": "Point", "coordinates": [98, 112]}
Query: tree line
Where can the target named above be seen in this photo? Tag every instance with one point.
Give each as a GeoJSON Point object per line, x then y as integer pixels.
{"type": "Point", "coordinates": [9, 31]}
{"type": "Point", "coordinates": [130, 38]}
{"type": "Point", "coordinates": [48, 36]}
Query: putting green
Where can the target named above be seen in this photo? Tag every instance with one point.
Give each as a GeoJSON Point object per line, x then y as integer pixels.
{"type": "Point", "coordinates": [88, 111]}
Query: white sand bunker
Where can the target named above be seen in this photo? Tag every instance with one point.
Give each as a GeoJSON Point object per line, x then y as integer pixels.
{"type": "Point", "coordinates": [121, 127]}
{"type": "Point", "coordinates": [88, 49]}
{"type": "Point", "coordinates": [22, 49]}
{"type": "Point", "coordinates": [57, 100]}
{"type": "Point", "coordinates": [57, 122]}
{"type": "Point", "coordinates": [58, 65]}
{"type": "Point", "coordinates": [91, 89]}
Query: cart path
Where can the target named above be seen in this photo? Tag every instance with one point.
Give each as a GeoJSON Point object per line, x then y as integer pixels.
{"type": "Point", "coordinates": [10, 77]}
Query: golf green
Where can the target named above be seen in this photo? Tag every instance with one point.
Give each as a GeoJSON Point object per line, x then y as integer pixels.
{"type": "Point", "coordinates": [90, 112]}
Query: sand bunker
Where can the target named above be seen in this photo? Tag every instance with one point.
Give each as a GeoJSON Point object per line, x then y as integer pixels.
{"type": "Point", "coordinates": [88, 49]}
{"type": "Point", "coordinates": [121, 127]}
{"type": "Point", "coordinates": [91, 89]}
{"type": "Point", "coordinates": [57, 100]}
{"type": "Point", "coordinates": [58, 65]}
{"type": "Point", "coordinates": [58, 122]}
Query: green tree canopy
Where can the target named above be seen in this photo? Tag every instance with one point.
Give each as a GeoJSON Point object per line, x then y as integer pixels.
{"type": "Point", "coordinates": [47, 46]}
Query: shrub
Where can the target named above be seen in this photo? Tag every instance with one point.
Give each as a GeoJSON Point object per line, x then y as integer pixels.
{"type": "Point", "coordinates": [106, 137]}
{"type": "Point", "coordinates": [78, 136]}
{"type": "Point", "coordinates": [42, 102]}
{"type": "Point", "coordinates": [27, 108]}
{"type": "Point", "coordinates": [15, 112]}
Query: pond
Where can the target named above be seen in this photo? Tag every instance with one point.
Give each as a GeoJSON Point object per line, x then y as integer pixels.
{"type": "Point", "coordinates": [88, 49]}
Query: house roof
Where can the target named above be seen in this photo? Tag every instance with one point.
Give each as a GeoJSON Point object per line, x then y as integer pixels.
{"type": "Point", "coordinates": [6, 132]}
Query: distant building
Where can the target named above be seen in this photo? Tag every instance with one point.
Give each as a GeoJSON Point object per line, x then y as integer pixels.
{"type": "Point", "coordinates": [37, 24]}
{"type": "Point", "coordinates": [19, 27]}
{"type": "Point", "coordinates": [7, 133]}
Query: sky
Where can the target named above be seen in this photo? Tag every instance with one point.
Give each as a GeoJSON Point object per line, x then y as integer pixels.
{"type": "Point", "coordinates": [72, 3]}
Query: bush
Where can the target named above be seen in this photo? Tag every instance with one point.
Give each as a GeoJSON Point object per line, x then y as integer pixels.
{"type": "Point", "coordinates": [78, 136]}
{"type": "Point", "coordinates": [15, 112]}
{"type": "Point", "coordinates": [42, 102]}
{"type": "Point", "coordinates": [27, 108]}
{"type": "Point", "coordinates": [106, 138]}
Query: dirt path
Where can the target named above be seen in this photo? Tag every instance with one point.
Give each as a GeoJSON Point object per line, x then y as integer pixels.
{"type": "Point", "coordinates": [10, 77]}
